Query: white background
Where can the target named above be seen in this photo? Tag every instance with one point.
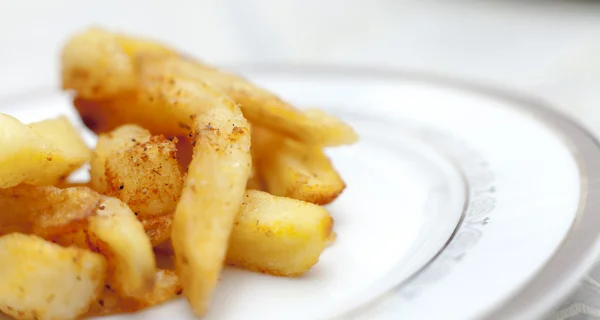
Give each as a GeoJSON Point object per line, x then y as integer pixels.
{"type": "Point", "coordinates": [547, 48]}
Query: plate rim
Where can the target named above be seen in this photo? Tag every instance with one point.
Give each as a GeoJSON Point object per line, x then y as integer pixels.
{"type": "Point", "coordinates": [580, 246]}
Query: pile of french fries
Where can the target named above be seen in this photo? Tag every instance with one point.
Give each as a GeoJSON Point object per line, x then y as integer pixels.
{"type": "Point", "coordinates": [190, 162]}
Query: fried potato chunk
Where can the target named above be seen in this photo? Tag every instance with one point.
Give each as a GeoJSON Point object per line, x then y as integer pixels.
{"type": "Point", "coordinates": [211, 198]}
{"type": "Point", "coordinates": [167, 288]}
{"type": "Point", "coordinates": [104, 70]}
{"type": "Point", "coordinates": [41, 280]}
{"type": "Point", "coordinates": [61, 133]}
{"type": "Point", "coordinates": [146, 176]}
{"type": "Point", "coordinates": [42, 154]}
{"type": "Point", "coordinates": [81, 217]}
{"type": "Point", "coordinates": [116, 233]}
{"type": "Point", "coordinates": [110, 144]}
{"type": "Point", "coordinates": [266, 109]}
{"type": "Point", "coordinates": [294, 170]}
{"type": "Point", "coordinates": [46, 211]}
{"type": "Point", "coordinates": [97, 64]}
{"type": "Point", "coordinates": [278, 236]}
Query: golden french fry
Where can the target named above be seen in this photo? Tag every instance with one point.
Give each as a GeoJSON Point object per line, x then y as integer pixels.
{"type": "Point", "coordinates": [97, 64]}
{"type": "Point", "coordinates": [101, 65]}
{"type": "Point", "coordinates": [278, 236]}
{"type": "Point", "coordinates": [107, 146]}
{"type": "Point", "coordinates": [82, 217]}
{"type": "Point", "coordinates": [45, 281]}
{"type": "Point", "coordinates": [32, 155]}
{"type": "Point", "coordinates": [146, 176]}
{"type": "Point", "coordinates": [258, 105]}
{"type": "Point", "coordinates": [264, 108]}
{"type": "Point", "coordinates": [275, 235]}
{"type": "Point", "coordinates": [46, 211]}
{"type": "Point", "coordinates": [211, 197]}
{"type": "Point", "coordinates": [116, 233]}
{"type": "Point", "coordinates": [61, 133]}
{"type": "Point", "coordinates": [294, 170]}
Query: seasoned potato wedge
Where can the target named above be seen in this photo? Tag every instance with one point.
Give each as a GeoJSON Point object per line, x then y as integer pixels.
{"type": "Point", "coordinates": [108, 145]}
{"type": "Point", "coordinates": [294, 170]}
{"type": "Point", "coordinates": [116, 233]}
{"type": "Point", "coordinates": [266, 109]}
{"type": "Point", "coordinates": [167, 287]}
{"type": "Point", "coordinates": [38, 158]}
{"type": "Point", "coordinates": [41, 280]}
{"type": "Point", "coordinates": [109, 67]}
{"type": "Point", "coordinates": [97, 64]}
{"type": "Point", "coordinates": [211, 196]}
{"type": "Point", "coordinates": [46, 211]}
{"type": "Point", "coordinates": [146, 176]}
{"type": "Point", "coordinates": [81, 217]}
{"type": "Point", "coordinates": [278, 236]}
{"type": "Point", "coordinates": [61, 133]}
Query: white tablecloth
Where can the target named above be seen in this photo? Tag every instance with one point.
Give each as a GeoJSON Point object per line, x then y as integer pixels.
{"type": "Point", "coordinates": [546, 48]}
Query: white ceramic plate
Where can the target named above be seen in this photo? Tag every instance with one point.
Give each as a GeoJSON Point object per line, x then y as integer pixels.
{"type": "Point", "coordinates": [462, 203]}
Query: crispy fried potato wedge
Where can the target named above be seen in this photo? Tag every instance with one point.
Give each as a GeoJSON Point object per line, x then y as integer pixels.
{"type": "Point", "coordinates": [278, 236]}
{"type": "Point", "coordinates": [167, 288]}
{"type": "Point", "coordinates": [41, 280]}
{"type": "Point", "coordinates": [116, 233]}
{"type": "Point", "coordinates": [264, 108]}
{"type": "Point", "coordinates": [82, 217]}
{"type": "Point", "coordinates": [101, 65]}
{"type": "Point", "coordinates": [211, 198]}
{"type": "Point", "coordinates": [258, 105]}
{"type": "Point", "coordinates": [165, 102]}
{"type": "Point", "coordinates": [61, 133]}
{"type": "Point", "coordinates": [294, 170]}
{"type": "Point", "coordinates": [46, 211]}
{"type": "Point", "coordinates": [32, 155]}
{"type": "Point", "coordinates": [110, 144]}
{"type": "Point", "coordinates": [146, 176]}
{"type": "Point", "coordinates": [97, 64]}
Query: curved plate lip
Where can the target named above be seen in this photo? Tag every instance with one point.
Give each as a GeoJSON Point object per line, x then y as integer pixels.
{"type": "Point", "coordinates": [552, 283]}
{"type": "Point", "coordinates": [581, 245]}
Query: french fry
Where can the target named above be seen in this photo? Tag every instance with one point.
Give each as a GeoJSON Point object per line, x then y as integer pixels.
{"type": "Point", "coordinates": [82, 217]}
{"type": "Point", "coordinates": [97, 64]}
{"type": "Point", "coordinates": [146, 176]}
{"type": "Point", "coordinates": [278, 236]}
{"type": "Point", "coordinates": [46, 211]}
{"type": "Point", "coordinates": [110, 71]}
{"type": "Point", "coordinates": [211, 198]}
{"type": "Point", "coordinates": [110, 144]}
{"type": "Point", "coordinates": [295, 170]}
{"type": "Point", "coordinates": [30, 155]}
{"type": "Point", "coordinates": [41, 280]}
{"type": "Point", "coordinates": [116, 233]}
